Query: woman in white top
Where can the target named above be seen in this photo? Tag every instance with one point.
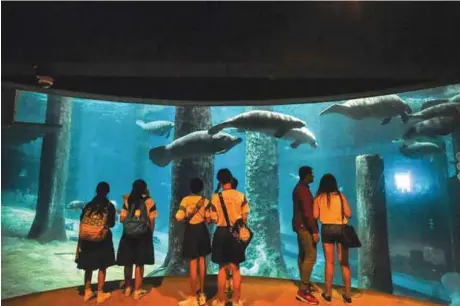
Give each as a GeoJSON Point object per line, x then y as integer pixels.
{"type": "Point", "coordinates": [331, 208]}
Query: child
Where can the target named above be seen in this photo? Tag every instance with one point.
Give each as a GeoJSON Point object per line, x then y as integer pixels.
{"type": "Point", "coordinates": [95, 246]}
{"type": "Point", "coordinates": [197, 241]}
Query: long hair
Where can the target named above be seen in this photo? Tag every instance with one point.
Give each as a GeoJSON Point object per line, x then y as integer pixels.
{"type": "Point", "coordinates": [100, 202]}
{"type": "Point", "coordinates": [136, 196]}
{"type": "Point", "coordinates": [328, 185]}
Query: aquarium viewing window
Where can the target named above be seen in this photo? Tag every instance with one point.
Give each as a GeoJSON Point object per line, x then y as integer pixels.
{"type": "Point", "coordinates": [403, 182]}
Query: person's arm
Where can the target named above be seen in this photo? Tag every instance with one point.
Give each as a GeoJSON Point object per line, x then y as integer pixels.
{"type": "Point", "coordinates": [245, 210]}
{"type": "Point", "coordinates": [211, 210]}
{"type": "Point", "coordinates": [182, 211]}
{"type": "Point", "coordinates": [306, 201]}
{"type": "Point", "coordinates": [124, 210]}
{"type": "Point", "coordinates": [346, 207]}
{"type": "Point", "coordinates": [111, 216]}
{"type": "Point", "coordinates": [152, 210]}
{"type": "Point", "coordinates": [316, 208]}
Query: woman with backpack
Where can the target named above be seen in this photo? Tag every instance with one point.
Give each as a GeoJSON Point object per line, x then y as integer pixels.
{"type": "Point", "coordinates": [95, 246]}
{"type": "Point", "coordinates": [136, 244]}
{"type": "Point", "coordinates": [197, 241]}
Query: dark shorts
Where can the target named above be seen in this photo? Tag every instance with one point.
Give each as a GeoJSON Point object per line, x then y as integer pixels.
{"type": "Point", "coordinates": [197, 241]}
{"type": "Point", "coordinates": [331, 233]}
{"type": "Point", "coordinates": [224, 250]}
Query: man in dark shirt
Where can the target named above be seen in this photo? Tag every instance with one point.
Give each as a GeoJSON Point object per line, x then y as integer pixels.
{"type": "Point", "coordinates": [306, 228]}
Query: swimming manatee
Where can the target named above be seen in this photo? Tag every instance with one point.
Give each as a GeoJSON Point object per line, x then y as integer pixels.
{"type": "Point", "coordinates": [437, 126]}
{"type": "Point", "coordinates": [443, 109]}
{"type": "Point", "coordinates": [272, 123]}
{"type": "Point", "coordinates": [381, 107]}
{"type": "Point", "coordinates": [159, 128]}
{"type": "Point", "coordinates": [199, 143]}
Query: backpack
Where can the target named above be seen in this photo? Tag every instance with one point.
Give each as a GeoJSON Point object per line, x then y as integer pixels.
{"type": "Point", "coordinates": [92, 225]}
{"type": "Point", "coordinates": [136, 227]}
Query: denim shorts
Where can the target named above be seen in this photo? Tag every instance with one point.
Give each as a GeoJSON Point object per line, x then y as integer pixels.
{"type": "Point", "coordinates": [331, 233]}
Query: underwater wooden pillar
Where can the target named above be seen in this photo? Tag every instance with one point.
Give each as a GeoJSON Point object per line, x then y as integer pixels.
{"type": "Point", "coordinates": [374, 267]}
{"type": "Point", "coordinates": [49, 222]}
{"type": "Point", "coordinates": [187, 120]}
{"type": "Point", "coordinates": [262, 186]}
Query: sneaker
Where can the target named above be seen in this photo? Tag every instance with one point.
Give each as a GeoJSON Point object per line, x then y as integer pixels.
{"type": "Point", "coordinates": [218, 303]}
{"type": "Point", "coordinates": [102, 297]}
{"type": "Point", "coordinates": [328, 299]}
{"type": "Point", "coordinates": [190, 301]}
{"type": "Point", "coordinates": [128, 291]}
{"type": "Point", "coordinates": [202, 299]}
{"type": "Point", "coordinates": [89, 295]}
{"type": "Point", "coordinates": [139, 293]}
{"type": "Point", "coordinates": [306, 297]}
{"type": "Point", "coordinates": [346, 299]}
{"type": "Point", "coordinates": [312, 288]}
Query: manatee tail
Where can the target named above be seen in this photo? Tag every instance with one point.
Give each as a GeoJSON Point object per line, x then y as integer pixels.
{"type": "Point", "coordinates": [140, 123]}
{"type": "Point", "coordinates": [217, 128]}
{"type": "Point", "coordinates": [334, 109]}
{"type": "Point", "coordinates": [159, 156]}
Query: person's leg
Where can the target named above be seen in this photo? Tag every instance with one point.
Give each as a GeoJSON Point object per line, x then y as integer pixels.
{"type": "Point", "coordinates": [237, 282]}
{"type": "Point", "coordinates": [345, 266]}
{"type": "Point", "coordinates": [87, 280]}
{"type": "Point", "coordinates": [307, 257]}
{"type": "Point", "coordinates": [101, 296]}
{"type": "Point", "coordinates": [193, 277]}
{"type": "Point", "coordinates": [328, 249]}
{"type": "Point", "coordinates": [202, 264]}
{"type": "Point", "coordinates": [221, 280]}
{"type": "Point", "coordinates": [128, 280]}
{"type": "Point", "coordinates": [139, 277]}
{"type": "Point", "coordinates": [306, 261]}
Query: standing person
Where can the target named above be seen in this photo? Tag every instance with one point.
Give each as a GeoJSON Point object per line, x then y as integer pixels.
{"type": "Point", "coordinates": [197, 241]}
{"type": "Point", "coordinates": [306, 227]}
{"type": "Point", "coordinates": [237, 208]}
{"type": "Point", "coordinates": [136, 244]}
{"type": "Point", "coordinates": [95, 246]}
{"type": "Point", "coordinates": [332, 209]}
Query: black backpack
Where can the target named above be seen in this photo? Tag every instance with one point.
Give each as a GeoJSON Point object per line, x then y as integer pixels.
{"type": "Point", "coordinates": [136, 227]}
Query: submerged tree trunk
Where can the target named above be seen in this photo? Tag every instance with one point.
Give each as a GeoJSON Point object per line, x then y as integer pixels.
{"type": "Point", "coordinates": [188, 120]}
{"type": "Point", "coordinates": [374, 268]}
{"type": "Point", "coordinates": [262, 184]}
{"type": "Point", "coordinates": [48, 224]}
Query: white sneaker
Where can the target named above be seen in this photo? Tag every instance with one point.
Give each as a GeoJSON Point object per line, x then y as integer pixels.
{"type": "Point", "coordinates": [190, 301]}
{"type": "Point", "coordinates": [139, 293]}
{"type": "Point", "coordinates": [102, 297]}
{"type": "Point", "coordinates": [89, 295]}
{"type": "Point", "coordinates": [202, 299]}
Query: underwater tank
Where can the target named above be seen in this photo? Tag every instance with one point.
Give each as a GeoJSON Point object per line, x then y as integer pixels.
{"type": "Point", "coordinates": [47, 177]}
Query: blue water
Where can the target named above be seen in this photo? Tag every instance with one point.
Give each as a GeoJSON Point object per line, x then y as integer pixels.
{"type": "Point", "coordinates": [107, 145]}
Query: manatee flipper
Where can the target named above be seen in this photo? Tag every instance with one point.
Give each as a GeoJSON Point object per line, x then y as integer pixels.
{"type": "Point", "coordinates": [159, 156]}
{"type": "Point", "coordinates": [385, 121]}
{"type": "Point", "coordinates": [222, 151]}
{"type": "Point", "coordinates": [217, 128]}
{"type": "Point", "coordinates": [280, 133]}
{"type": "Point", "coordinates": [295, 144]}
{"type": "Point", "coordinates": [334, 109]}
{"type": "Point", "coordinates": [140, 123]}
{"type": "Point", "coordinates": [404, 117]}
{"type": "Point", "coordinates": [168, 134]}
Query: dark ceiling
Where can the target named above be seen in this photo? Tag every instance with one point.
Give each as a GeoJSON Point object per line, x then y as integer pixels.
{"type": "Point", "coordinates": [214, 51]}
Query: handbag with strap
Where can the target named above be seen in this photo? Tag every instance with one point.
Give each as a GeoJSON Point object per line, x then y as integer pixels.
{"type": "Point", "coordinates": [240, 231]}
{"type": "Point", "coordinates": [349, 237]}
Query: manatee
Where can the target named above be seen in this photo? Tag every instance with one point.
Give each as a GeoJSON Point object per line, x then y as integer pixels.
{"type": "Point", "coordinates": [299, 136]}
{"type": "Point", "coordinates": [75, 205]}
{"type": "Point", "coordinates": [420, 149]}
{"type": "Point", "coordinates": [437, 126]}
{"type": "Point", "coordinates": [195, 144]}
{"type": "Point", "coordinates": [430, 103]}
{"type": "Point", "coordinates": [443, 109]}
{"type": "Point", "coordinates": [159, 128]}
{"type": "Point", "coordinates": [273, 123]}
{"type": "Point", "coordinates": [381, 107]}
